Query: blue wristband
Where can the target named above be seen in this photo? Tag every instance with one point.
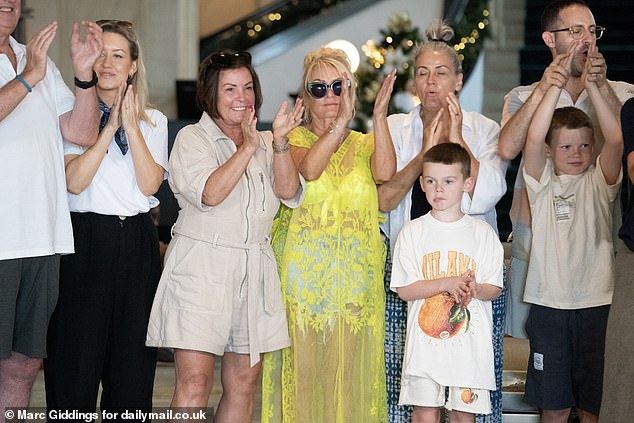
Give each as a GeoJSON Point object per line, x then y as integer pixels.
{"type": "Point", "coordinates": [26, 85]}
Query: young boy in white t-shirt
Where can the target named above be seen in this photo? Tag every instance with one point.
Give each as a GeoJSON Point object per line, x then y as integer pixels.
{"type": "Point", "coordinates": [448, 266]}
{"type": "Point", "coordinates": [570, 276]}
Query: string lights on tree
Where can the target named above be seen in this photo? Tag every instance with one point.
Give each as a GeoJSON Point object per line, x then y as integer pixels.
{"type": "Point", "coordinates": [395, 49]}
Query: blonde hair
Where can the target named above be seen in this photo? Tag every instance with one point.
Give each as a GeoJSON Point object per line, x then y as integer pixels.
{"type": "Point", "coordinates": [319, 59]}
{"type": "Point", "coordinates": [139, 79]}
{"type": "Point", "coordinates": [438, 34]}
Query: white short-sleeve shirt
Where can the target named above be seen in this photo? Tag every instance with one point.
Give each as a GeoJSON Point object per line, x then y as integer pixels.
{"type": "Point", "coordinates": [33, 208]}
{"type": "Point", "coordinates": [113, 190]}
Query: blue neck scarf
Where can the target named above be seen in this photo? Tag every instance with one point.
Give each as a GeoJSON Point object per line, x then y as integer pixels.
{"type": "Point", "coordinates": [119, 136]}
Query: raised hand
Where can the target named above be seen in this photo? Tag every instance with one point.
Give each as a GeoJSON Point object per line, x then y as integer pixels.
{"type": "Point", "coordinates": [129, 108]}
{"type": "Point", "coordinates": [346, 106]}
{"type": "Point", "coordinates": [596, 69]}
{"type": "Point", "coordinates": [455, 116]}
{"type": "Point", "coordinates": [249, 132]}
{"type": "Point", "coordinates": [284, 122]}
{"type": "Point", "coordinates": [433, 131]}
{"type": "Point", "coordinates": [37, 54]}
{"type": "Point", "coordinates": [84, 52]}
{"type": "Point", "coordinates": [382, 100]}
{"type": "Point", "coordinates": [114, 120]}
{"type": "Point", "coordinates": [558, 72]}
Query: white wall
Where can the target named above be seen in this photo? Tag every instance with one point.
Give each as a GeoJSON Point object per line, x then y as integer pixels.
{"type": "Point", "coordinates": [167, 31]}
{"type": "Point", "coordinates": [281, 75]}
{"type": "Point", "coordinates": [472, 92]}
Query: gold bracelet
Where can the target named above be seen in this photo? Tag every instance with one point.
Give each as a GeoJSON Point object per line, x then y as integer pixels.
{"type": "Point", "coordinates": [336, 129]}
{"type": "Point", "coordinates": [281, 148]}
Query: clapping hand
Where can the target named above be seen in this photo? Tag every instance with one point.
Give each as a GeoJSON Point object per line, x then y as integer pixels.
{"type": "Point", "coordinates": [114, 120]}
{"type": "Point", "coordinates": [558, 72]}
{"type": "Point", "coordinates": [455, 116]}
{"type": "Point", "coordinates": [84, 52]}
{"type": "Point", "coordinates": [596, 68]}
{"type": "Point", "coordinates": [433, 131]}
{"type": "Point", "coordinates": [346, 106]}
{"type": "Point", "coordinates": [36, 54]}
{"type": "Point", "coordinates": [285, 122]}
{"type": "Point", "coordinates": [382, 100]}
{"type": "Point", "coordinates": [129, 108]}
{"type": "Point", "coordinates": [249, 132]}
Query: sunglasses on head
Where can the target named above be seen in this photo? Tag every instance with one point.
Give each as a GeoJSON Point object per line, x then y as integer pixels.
{"type": "Point", "coordinates": [115, 23]}
{"type": "Point", "coordinates": [320, 89]}
{"type": "Point", "coordinates": [229, 59]}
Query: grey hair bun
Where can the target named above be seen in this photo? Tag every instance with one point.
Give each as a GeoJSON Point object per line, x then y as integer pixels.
{"type": "Point", "coordinates": [438, 30]}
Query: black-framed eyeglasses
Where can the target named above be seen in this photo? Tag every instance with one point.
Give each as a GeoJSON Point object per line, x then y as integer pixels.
{"type": "Point", "coordinates": [320, 89]}
{"type": "Point", "coordinates": [226, 59]}
{"type": "Point", "coordinates": [577, 31]}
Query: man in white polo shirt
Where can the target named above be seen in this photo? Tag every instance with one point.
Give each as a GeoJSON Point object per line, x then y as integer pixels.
{"type": "Point", "coordinates": [36, 110]}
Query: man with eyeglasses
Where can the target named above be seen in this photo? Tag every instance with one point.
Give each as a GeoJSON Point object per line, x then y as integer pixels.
{"type": "Point", "coordinates": [568, 29]}
{"type": "Point", "coordinates": [36, 110]}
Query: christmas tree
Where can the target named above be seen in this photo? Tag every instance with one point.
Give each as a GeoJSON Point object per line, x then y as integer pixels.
{"type": "Point", "coordinates": [395, 50]}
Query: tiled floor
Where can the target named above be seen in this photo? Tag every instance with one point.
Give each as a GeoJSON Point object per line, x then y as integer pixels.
{"type": "Point", "coordinates": [163, 389]}
{"type": "Point", "coordinates": [515, 357]}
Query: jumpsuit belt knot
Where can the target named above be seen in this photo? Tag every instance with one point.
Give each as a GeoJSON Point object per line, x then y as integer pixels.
{"type": "Point", "coordinates": [258, 285]}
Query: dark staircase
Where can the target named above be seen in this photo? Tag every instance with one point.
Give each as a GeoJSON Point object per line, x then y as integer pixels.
{"type": "Point", "coordinates": [617, 43]}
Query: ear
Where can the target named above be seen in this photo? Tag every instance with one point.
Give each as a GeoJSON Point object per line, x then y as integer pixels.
{"type": "Point", "coordinates": [422, 180]}
{"type": "Point", "coordinates": [548, 151]}
{"type": "Point", "coordinates": [133, 69]}
{"type": "Point", "coordinates": [468, 184]}
{"type": "Point", "coordinates": [549, 39]}
{"type": "Point", "coordinates": [459, 83]}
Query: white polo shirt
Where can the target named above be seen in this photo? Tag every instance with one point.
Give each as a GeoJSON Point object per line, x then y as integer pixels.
{"type": "Point", "coordinates": [34, 218]}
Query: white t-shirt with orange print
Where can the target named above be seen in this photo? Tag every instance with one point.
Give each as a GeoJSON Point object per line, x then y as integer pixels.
{"type": "Point", "coordinates": [447, 342]}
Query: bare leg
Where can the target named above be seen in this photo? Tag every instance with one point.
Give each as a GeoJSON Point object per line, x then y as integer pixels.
{"type": "Point", "coordinates": [426, 415]}
{"type": "Point", "coordinates": [17, 375]}
{"type": "Point", "coordinates": [194, 378]}
{"type": "Point", "coordinates": [555, 416]}
{"type": "Point", "coordinates": [239, 382]}
{"type": "Point", "coordinates": [587, 417]}
{"type": "Point", "coordinates": [456, 416]}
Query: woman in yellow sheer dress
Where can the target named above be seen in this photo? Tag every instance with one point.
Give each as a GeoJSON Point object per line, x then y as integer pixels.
{"type": "Point", "coordinates": [331, 257]}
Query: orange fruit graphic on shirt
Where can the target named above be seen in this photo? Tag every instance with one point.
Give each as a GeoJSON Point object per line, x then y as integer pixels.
{"type": "Point", "coordinates": [468, 396]}
{"type": "Point", "coordinates": [441, 317]}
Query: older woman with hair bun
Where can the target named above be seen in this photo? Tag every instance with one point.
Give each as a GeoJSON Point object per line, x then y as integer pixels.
{"type": "Point", "coordinates": [437, 76]}
{"type": "Point", "coordinates": [97, 332]}
{"type": "Point", "coordinates": [331, 258]}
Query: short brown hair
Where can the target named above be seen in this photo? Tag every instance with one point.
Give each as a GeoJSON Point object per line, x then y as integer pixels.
{"type": "Point", "coordinates": [570, 118]}
{"type": "Point", "coordinates": [209, 78]}
{"type": "Point", "coordinates": [550, 15]}
{"type": "Point", "coordinates": [449, 153]}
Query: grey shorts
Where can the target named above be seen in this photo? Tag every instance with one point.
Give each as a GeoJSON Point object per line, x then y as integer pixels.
{"type": "Point", "coordinates": [29, 293]}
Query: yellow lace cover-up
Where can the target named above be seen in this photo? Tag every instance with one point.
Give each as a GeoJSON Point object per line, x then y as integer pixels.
{"type": "Point", "coordinates": [331, 257]}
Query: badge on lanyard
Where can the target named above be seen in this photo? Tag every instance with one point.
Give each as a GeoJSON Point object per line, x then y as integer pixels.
{"type": "Point", "coordinates": [564, 207]}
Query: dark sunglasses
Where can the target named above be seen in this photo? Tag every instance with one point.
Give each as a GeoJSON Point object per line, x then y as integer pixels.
{"type": "Point", "coordinates": [320, 89]}
{"type": "Point", "coordinates": [229, 59]}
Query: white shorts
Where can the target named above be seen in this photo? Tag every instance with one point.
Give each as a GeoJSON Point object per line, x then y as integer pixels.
{"type": "Point", "coordinates": [425, 392]}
